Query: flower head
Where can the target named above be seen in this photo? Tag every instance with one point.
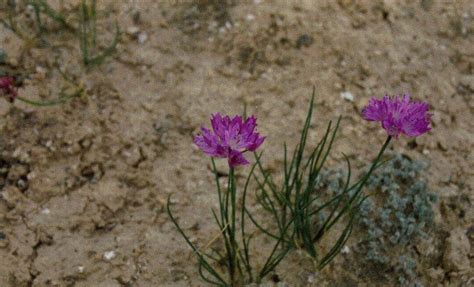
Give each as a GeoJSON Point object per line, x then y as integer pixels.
{"type": "Point", "coordinates": [399, 115]}
{"type": "Point", "coordinates": [229, 138]}
{"type": "Point", "coordinates": [7, 88]}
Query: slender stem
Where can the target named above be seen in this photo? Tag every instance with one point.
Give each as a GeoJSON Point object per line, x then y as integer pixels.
{"type": "Point", "coordinates": [229, 206]}
{"type": "Point", "coordinates": [60, 100]}
{"type": "Point", "coordinates": [377, 159]}
{"type": "Point", "coordinates": [202, 261]}
{"type": "Point", "coordinates": [219, 192]}
{"type": "Point", "coordinates": [246, 241]}
{"type": "Point", "coordinates": [233, 196]}
{"type": "Point", "coordinates": [362, 183]}
{"type": "Point", "coordinates": [372, 168]}
{"type": "Point", "coordinates": [94, 24]}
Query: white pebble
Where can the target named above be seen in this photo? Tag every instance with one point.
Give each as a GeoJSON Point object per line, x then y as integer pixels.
{"type": "Point", "coordinates": [133, 30]}
{"type": "Point", "coordinates": [347, 96]}
{"type": "Point", "coordinates": [345, 249]}
{"type": "Point", "coordinates": [31, 175]}
{"type": "Point", "coordinates": [40, 70]}
{"type": "Point", "coordinates": [46, 211]}
{"type": "Point", "coordinates": [142, 37]}
{"type": "Point", "coordinates": [250, 17]}
{"type": "Point", "coordinates": [109, 255]}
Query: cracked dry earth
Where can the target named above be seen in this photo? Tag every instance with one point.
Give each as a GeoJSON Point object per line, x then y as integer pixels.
{"type": "Point", "coordinates": [84, 184]}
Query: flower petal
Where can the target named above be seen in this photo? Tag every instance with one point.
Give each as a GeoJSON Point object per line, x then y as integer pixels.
{"type": "Point", "coordinates": [208, 143]}
{"type": "Point", "coordinates": [237, 158]}
{"type": "Point", "coordinates": [376, 110]}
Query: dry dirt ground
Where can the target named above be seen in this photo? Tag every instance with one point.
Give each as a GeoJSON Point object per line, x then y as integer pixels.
{"type": "Point", "coordinates": [84, 184]}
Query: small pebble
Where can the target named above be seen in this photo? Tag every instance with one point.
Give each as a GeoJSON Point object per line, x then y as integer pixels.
{"type": "Point", "coordinates": [22, 184]}
{"type": "Point", "coordinates": [40, 70]}
{"type": "Point", "coordinates": [345, 249]}
{"type": "Point", "coordinates": [347, 96]}
{"type": "Point", "coordinates": [133, 30]}
{"type": "Point", "coordinates": [142, 37]}
{"type": "Point", "coordinates": [109, 255]}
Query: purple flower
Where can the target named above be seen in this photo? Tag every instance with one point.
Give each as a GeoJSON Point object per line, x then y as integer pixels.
{"type": "Point", "coordinates": [399, 115]}
{"type": "Point", "coordinates": [8, 88]}
{"type": "Point", "coordinates": [229, 138]}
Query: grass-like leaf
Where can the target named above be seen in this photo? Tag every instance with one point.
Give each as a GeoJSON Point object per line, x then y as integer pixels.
{"type": "Point", "coordinates": [301, 205]}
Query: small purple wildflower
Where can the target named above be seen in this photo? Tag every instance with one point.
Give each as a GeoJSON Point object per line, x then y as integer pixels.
{"type": "Point", "coordinates": [399, 115]}
{"type": "Point", "coordinates": [229, 138]}
{"type": "Point", "coordinates": [7, 88]}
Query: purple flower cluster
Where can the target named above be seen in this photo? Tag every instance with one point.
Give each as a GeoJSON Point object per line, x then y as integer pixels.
{"type": "Point", "coordinates": [229, 138]}
{"type": "Point", "coordinates": [399, 115]}
{"type": "Point", "coordinates": [7, 88]}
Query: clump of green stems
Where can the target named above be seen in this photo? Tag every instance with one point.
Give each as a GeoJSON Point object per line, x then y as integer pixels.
{"type": "Point", "coordinates": [302, 214]}
{"type": "Point", "coordinates": [86, 30]}
{"type": "Point", "coordinates": [231, 221]}
{"type": "Point", "coordinates": [88, 36]}
{"type": "Point", "coordinates": [41, 6]}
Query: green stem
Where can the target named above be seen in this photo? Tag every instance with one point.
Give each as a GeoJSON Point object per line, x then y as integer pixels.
{"type": "Point", "coordinates": [202, 261]}
{"type": "Point", "coordinates": [361, 184]}
{"type": "Point", "coordinates": [246, 257]}
{"type": "Point", "coordinates": [233, 199]}
{"type": "Point", "coordinates": [228, 213]}
{"type": "Point", "coordinates": [60, 100]}
{"type": "Point", "coordinates": [379, 156]}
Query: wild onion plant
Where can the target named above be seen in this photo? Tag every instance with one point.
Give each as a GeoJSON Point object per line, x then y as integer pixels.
{"type": "Point", "coordinates": [230, 138]}
{"type": "Point", "coordinates": [86, 29]}
{"type": "Point", "coordinates": [301, 217]}
{"type": "Point", "coordinates": [310, 214]}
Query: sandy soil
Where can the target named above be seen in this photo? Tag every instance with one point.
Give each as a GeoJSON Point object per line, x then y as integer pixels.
{"type": "Point", "coordinates": [84, 184]}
